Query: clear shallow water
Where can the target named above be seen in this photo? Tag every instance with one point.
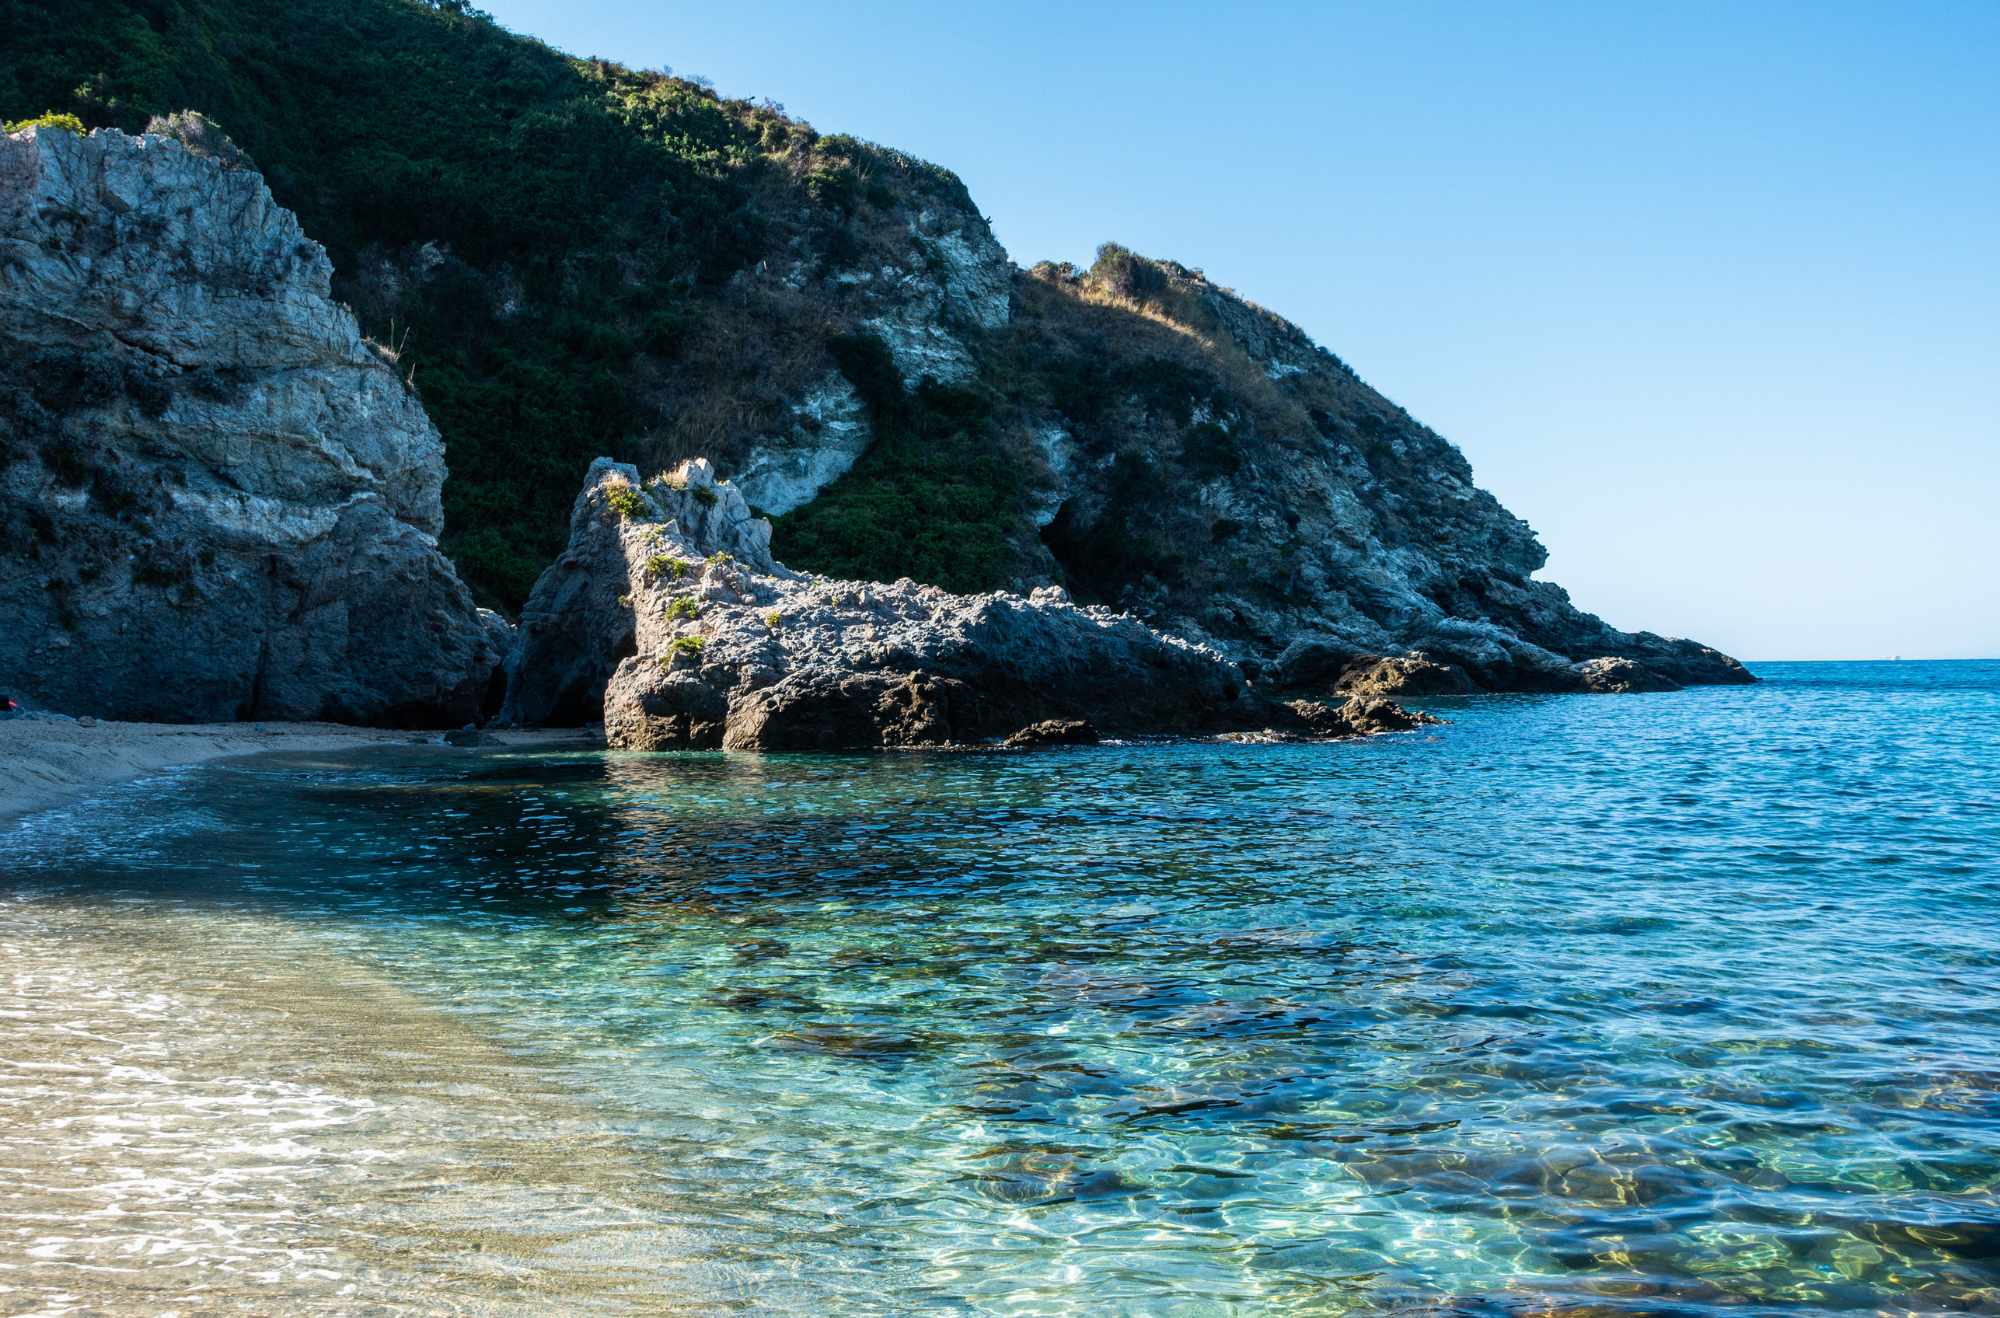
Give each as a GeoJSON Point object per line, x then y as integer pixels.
{"type": "Point", "coordinates": [1648, 1004]}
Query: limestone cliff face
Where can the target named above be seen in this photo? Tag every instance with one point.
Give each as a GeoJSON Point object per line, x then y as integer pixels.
{"type": "Point", "coordinates": [216, 499]}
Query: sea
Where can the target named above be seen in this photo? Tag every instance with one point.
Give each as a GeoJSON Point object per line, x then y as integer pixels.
{"type": "Point", "coordinates": [1656, 1004]}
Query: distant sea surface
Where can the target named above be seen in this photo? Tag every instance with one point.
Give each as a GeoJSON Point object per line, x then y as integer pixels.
{"type": "Point", "coordinates": [1647, 1004]}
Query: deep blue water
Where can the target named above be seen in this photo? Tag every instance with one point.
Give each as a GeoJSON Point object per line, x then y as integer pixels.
{"type": "Point", "coordinates": [1657, 1004]}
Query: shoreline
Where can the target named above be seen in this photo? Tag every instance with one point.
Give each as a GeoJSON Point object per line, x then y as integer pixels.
{"type": "Point", "coordinates": [47, 762]}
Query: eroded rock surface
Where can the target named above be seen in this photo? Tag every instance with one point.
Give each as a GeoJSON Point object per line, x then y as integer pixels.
{"type": "Point", "coordinates": [669, 606]}
{"type": "Point", "coordinates": [1615, 676]}
{"type": "Point", "coordinates": [216, 499]}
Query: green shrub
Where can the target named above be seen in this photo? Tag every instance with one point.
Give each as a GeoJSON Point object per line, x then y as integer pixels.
{"type": "Point", "coordinates": [704, 496]}
{"type": "Point", "coordinates": [683, 606]}
{"type": "Point", "coordinates": [201, 135]}
{"type": "Point", "coordinates": [627, 502]}
{"type": "Point", "coordinates": [836, 189]}
{"type": "Point", "coordinates": [1208, 451]}
{"type": "Point", "coordinates": [935, 497]}
{"type": "Point", "coordinates": [52, 119]}
{"type": "Point", "coordinates": [773, 618]}
{"type": "Point", "coordinates": [1126, 272]}
{"type": "Point", "coordinates": [685, 645]}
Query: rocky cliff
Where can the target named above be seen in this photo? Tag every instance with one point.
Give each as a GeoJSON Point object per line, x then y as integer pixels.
{"type": "Point", "coordinates": [217, 500]}
{"type": "Point", "coordinates": [1236, 481]}
{"type": "Point", "coordinates": [668, 613]}
{"type": "Point", "coordinates": [582, 258]}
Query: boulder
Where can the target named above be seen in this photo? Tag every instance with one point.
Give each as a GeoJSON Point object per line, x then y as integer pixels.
{"type": "Point", "coordinates": [669, 608]}
{"type": "Point", "coordinates": [1615, 675]}
{"type": "Point", "coordinates": [1360, 716]}
{"type": "Point", "coordinates": [1403, 675]}
{"type": "Point", "coordinates": [1053, 732]}
{"type": "Point", "coordinates": [217, 500]}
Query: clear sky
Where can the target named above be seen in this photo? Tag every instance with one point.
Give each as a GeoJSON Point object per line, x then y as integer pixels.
{"type": "Point", "coordinates": [1709, 293]}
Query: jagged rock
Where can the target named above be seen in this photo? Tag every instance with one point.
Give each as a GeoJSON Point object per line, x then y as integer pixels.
{"type": "Point", "coordinates": [963, 286]}
{"type": "Point", "coordinates": [818, 711]}
{"type": "Point", "coordinates": [1313, 662]}
{"type": "Point", "coordinates": [579, 620]}
{"type": "Point", "coordinates": [1619, 676]}
{"type": "Point", "coordinates": [1368, 716]}
{"type": "Point", "coordinates": [1360, 716]}
{"type": "Point", "coordinates": [669, 605]}
{"type": "Point", "coordinates": [1403, 675]}
{"type": "Point", "coordinates": [1053, 732]}
{"type": "Point", "coordinates": [1321, 663]}
{"type": "Point", "coordinates": [216, 499]}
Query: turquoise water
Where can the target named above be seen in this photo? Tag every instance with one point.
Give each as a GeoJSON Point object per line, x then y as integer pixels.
{"type": "Point", "coordinates": [1646, 1004]}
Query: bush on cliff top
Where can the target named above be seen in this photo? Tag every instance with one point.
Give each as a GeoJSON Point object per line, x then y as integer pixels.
{"type": "Point", "coordinates": [50, 120]}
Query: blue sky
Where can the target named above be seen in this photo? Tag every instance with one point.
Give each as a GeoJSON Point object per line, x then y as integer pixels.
{"type": "Point", "coordinates": [1710, 294]}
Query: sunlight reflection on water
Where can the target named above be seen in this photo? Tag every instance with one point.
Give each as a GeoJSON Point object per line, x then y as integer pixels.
{"type": "Point", "coordinates": [1630, 1004]}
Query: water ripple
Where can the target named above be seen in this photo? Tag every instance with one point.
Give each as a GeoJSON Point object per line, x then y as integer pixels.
{"type": "Point", "coordinates": [1656, 1004]}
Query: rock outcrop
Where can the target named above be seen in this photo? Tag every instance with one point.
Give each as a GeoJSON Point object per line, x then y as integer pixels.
{"type": "Point", "coordinates": [669, 609]}
{"type": "Point", "coordinates": [833, 324]}
{"type": "Point", "coordinates": [217, 500]}
{"type": "Point", "coordinates": [1252, 491]}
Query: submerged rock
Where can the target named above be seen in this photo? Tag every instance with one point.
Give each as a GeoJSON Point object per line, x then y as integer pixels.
{"type": "Point", "coordinates": [668, 607]}
{"type": "Point", "coordinates": [217, 500]}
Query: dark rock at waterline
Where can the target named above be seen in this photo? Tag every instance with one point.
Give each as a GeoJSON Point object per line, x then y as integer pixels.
{"type": "Point", "coordinates": [1615, 676]}
{"type": "Point", "coordinates": [837, 712]}
{"type": "Point", "coordinates": [1054, 732]}
{"type": "Point", "coordinates": [1402, 675]}
{"type": "Point", "coordinates": [1360, 716]}
{"type": "Point", "coordinates": [1316, 664]}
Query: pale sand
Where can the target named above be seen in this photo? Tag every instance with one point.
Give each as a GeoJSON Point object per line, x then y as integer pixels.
{"type": "Point", "coordinates": [205, 1108]}
{"type": "Point", "coordinates": [47, 762]}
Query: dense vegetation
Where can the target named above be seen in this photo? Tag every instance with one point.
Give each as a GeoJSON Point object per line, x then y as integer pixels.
{"type": "Point", "coordinates": [576, 258]}
{"type": "Point", "coordinates": [571, 222]}
{"type": "Point", "coordinates": [933, 497]}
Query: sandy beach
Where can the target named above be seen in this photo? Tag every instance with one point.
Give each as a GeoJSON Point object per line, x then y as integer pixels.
{"type": "Point", "coordinates": [45, 762]}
